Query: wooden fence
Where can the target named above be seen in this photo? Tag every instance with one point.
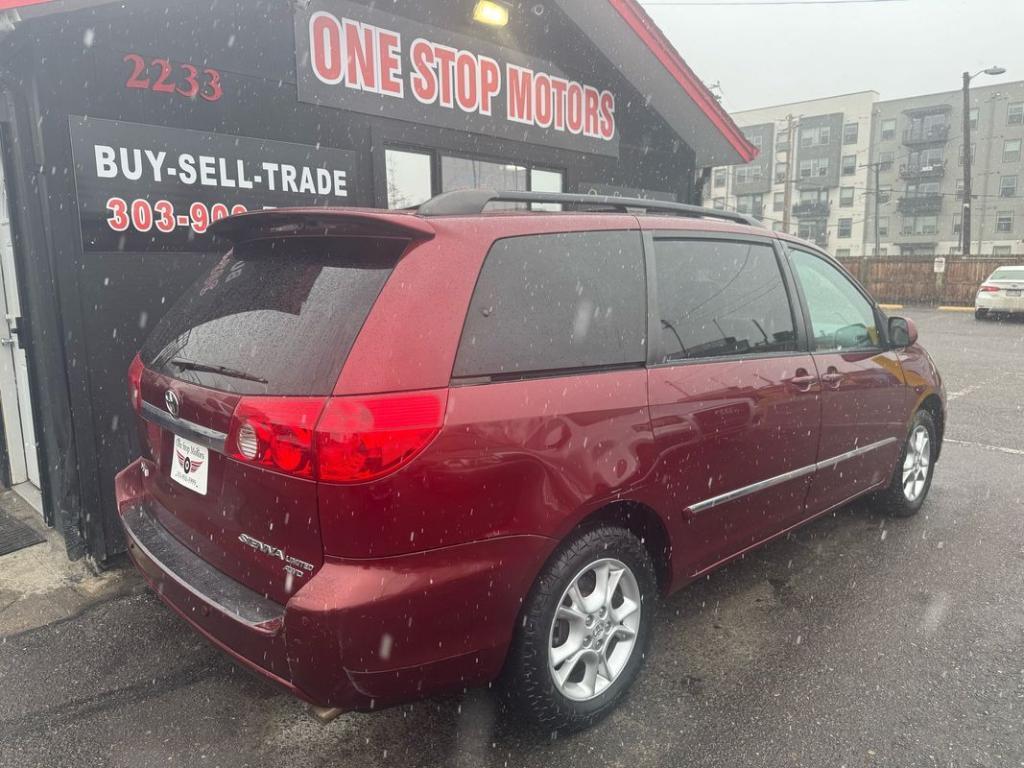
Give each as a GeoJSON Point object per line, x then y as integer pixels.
{"type": "Point", "coordinates": [912, 279]}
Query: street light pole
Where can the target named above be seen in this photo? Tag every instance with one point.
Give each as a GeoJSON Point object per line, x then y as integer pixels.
{"type": "Point", "coordinates": [965, 222]}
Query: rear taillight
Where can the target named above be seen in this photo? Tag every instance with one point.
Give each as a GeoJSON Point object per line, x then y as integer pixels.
{"type": "Point", "coordinates": [276, 433]}
{"type": "Point", "coordinates": [989, 289]}
{"type": "Point", "coordinates": [363, 438]}
{"type": "Point", "coordinates": [135, 383]}
{"type": "Point", "coordinates": [336, 439]}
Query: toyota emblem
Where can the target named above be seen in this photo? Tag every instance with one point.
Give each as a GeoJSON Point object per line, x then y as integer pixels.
{"type": "Point", "coordinates": [172, 402]}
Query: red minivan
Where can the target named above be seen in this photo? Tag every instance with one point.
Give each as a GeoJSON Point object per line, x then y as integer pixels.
{"type": "Point", "coordinates": [386, 454]}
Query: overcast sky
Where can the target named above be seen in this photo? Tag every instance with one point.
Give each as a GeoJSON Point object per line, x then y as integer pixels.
{"type": "Point", "coordinates": [772, 54]}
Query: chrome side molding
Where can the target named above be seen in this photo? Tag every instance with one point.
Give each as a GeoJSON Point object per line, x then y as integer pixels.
{"type": "Point", "coordinates": [714, 501]}
{"type": "Point", "coordinates": [189, 430]}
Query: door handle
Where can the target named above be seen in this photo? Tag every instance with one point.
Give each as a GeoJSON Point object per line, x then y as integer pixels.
{"type": "Point", "coordinates": [804, 381]}
{"type": "Point", "coordinates": [833, 378]}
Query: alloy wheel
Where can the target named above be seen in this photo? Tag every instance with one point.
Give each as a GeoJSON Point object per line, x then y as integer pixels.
{"type": "Point", "coordinates": [917, 462]}
{"type": "Point", "coordinates": [594, 631]}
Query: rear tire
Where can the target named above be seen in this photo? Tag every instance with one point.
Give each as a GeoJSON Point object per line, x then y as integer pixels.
{"type": "Point", "coordinates": [912, 477]}
{"type": "Point", "coordinates": [980, 314]}
{"type": "Point", "coordinates": [579, 646]}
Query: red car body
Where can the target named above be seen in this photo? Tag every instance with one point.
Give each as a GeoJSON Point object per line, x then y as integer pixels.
{"type": "Point", "coordinates": [412, 583]}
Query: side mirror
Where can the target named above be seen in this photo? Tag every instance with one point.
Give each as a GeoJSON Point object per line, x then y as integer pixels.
{"type": "Point", "coordinates": [902, 332]}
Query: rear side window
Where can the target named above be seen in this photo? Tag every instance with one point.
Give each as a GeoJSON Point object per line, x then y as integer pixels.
{"type": "Point", "coordinates": [720, 298]}
{"type": "Point", "coordinates": [1008, 273]}
{"type": "Point", "coordinates": [275, 316]}
{"type": "Point", "coordinates": [556, 302]}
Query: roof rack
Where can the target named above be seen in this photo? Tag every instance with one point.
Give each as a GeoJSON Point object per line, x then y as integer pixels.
{"type": "Point", "coordinates": [465, 202]}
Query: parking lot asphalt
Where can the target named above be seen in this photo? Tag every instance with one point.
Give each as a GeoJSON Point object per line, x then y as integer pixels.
{"type": "Point", "coordinates": [857, 641]}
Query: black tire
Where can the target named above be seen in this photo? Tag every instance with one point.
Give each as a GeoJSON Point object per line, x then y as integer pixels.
{"type": "Point", "coordinates": [528, 680]}
{"type": "Point", "coordinates": [980, 314]}
{"type": "Point", "coordinates": [895, 499]}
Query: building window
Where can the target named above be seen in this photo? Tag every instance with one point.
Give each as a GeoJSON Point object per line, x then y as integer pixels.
{"type": "Point", "coordinates": [972, 116]}
{"type": "Point", "coordinates": [782, 140]}
{"type": "Point", "coordinates": [974, 153]}
{"type": "Point", "coordinates": [885, 160]}
{"type": "Point", "coordinates": [816, 136]}
{"type": "Point", "coordinates": [849, 165]}
{"type": "Point", "coordinates": [719, 177]}
{"type": "Point", "coordinates": [845, 197]}
{"type": "Point", "coordinates": [1004, 221]}
{"type": "Point", "coordinates": [780, 172]}
{"type": "Point", "coordinates": [470, 173]}
{"type": "Point", "coordinates": [778, 201]}
{"type": "Point", "coordinates": [884, 195]}
{"type": "Point", "coordinates": [749, 174]}
{"type": "Point", "coordinates": [757, 140]}
{"type": "Point", "coordinates": [1002, 250]}
{"type": "Point", "coordinates": [850, 131]}
{"type": "Point", "coordinates": [959, 189]}
{"type": "Point", "coordinates": [920, 225]}
{"type": "Point", "coordinates": [1011, 151]}
{"type": "Point", "coordinates": [845, 227]}
{"type": "Point", "coordinates": [842, 253]}
{"type": "Point", "coordinates": [1008, 186]}
{"type": "Point", "coordinates": [957, 226]}
{"type": "Point", "coordinates": [889, 129]}
{"type": "Point", "coordinates": [778, 226]}
{"type": "Point", "coordinates": [814, 168]}
{"type": "Point", "coordinates": [546, 181]}
{"type": "Point", "coordinates": [1015, 113]}
{"type": "Point", "coordinates": [883, 226]}
{"type": "Point", "coordinates": [750, 204]}
{"type": "Point", "coordinates": [408, 177]}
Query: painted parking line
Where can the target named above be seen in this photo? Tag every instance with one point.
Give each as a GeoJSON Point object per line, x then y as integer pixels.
{"type": "Point", "coordinates": [891, 306]}
{"type": "Point", "coordinates": [957, 309]}
{"type": "Point", "coordinates": [986, 447]}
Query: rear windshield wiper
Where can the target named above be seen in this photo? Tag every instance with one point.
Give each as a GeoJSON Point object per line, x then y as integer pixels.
{"type": "Point", "coordinates": [192, 365]}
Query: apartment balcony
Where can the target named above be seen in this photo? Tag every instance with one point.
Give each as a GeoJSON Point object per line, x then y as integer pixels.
{"type": "Point", "coordinates": [811, 210]}
{"type": "Point", "coordinates": [920, 204]}
{"type": "Point", "coordinates": [932, 135]}
{"type": "Point", "coordinates": [820, 239]}
{"type": "Point", "coordinates": [935, 170]}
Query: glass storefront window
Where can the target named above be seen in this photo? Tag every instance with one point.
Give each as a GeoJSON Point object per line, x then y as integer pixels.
{"type": "Point", "coordinates": [467, 173]}
{"type": "Point", "coordinates": [546, 181]}
{"type": "Point", "coordinates": [408, 177]}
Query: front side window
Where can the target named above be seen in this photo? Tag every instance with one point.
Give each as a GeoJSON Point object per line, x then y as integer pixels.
{"type": "Point", "coordinates": [841, 318]}
{"type": "Point", "coordinates": [556, 302]}
{"type": "Point", "coordinates": [720, 298]}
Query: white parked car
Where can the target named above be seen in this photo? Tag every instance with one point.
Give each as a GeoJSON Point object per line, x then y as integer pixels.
{"type": "Point", "coordinates": [1002, 292]}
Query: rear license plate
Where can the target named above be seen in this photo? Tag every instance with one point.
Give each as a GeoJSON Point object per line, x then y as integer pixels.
{"type": "Point", "coordinates": [191, 465]}
{"type": "Point", "coordinates": [1013, 293]}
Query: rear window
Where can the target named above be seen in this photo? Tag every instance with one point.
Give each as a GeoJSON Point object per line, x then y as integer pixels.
{"type": "Point", "coordinates": [556, 302]}
{"type": "Point", "coordinates": [1008, 273]}
{"type": "Point", "coordinates": [275, 316]}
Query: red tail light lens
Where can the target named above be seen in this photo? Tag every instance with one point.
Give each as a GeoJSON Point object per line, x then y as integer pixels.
{"type": "Point", "coordinates": [989, 289]}
{"type": "Point", "coordinates": [276, 433]}
{"type": "Point", "coordinates": [363, 438]}
{"type": "Point", "coordinates": [336, 439]}
{"type": "Point", "coordinates": [135, 383]}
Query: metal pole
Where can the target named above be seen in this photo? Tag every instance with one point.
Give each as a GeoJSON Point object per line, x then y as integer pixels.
{"type": "Point", "coordinates": [878, 245]}
{"type": "Point", "coordinates": [965, 224]}
{"type": "Point", "coordinates": [788, 194]}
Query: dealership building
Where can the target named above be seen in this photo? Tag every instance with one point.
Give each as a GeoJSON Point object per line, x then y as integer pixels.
{"type": "Point", "coordinates": [126, 128]}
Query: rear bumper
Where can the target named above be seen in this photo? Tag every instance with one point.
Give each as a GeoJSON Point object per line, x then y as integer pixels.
{"type": "Point", "coordinates": [999, 303]}
{"type": "Point", "coordinates": [361, 633]}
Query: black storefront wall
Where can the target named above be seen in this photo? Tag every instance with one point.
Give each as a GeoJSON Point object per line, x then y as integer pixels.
{"type": "Point", "coordinates": [82, 87]}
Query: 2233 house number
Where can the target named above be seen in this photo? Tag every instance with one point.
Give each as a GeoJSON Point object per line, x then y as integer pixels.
{"type": "Point", "coordinates": [165, 76]}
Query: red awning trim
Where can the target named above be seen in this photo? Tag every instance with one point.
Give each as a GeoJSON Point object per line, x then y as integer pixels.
{"type": "Point", "coordinates": [645, 28]}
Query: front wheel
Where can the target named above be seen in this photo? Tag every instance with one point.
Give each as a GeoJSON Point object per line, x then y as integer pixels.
{"type": "Point", "coordinates": [913, 476]}
{"type": "Point", "coordinates": [585, 630]}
